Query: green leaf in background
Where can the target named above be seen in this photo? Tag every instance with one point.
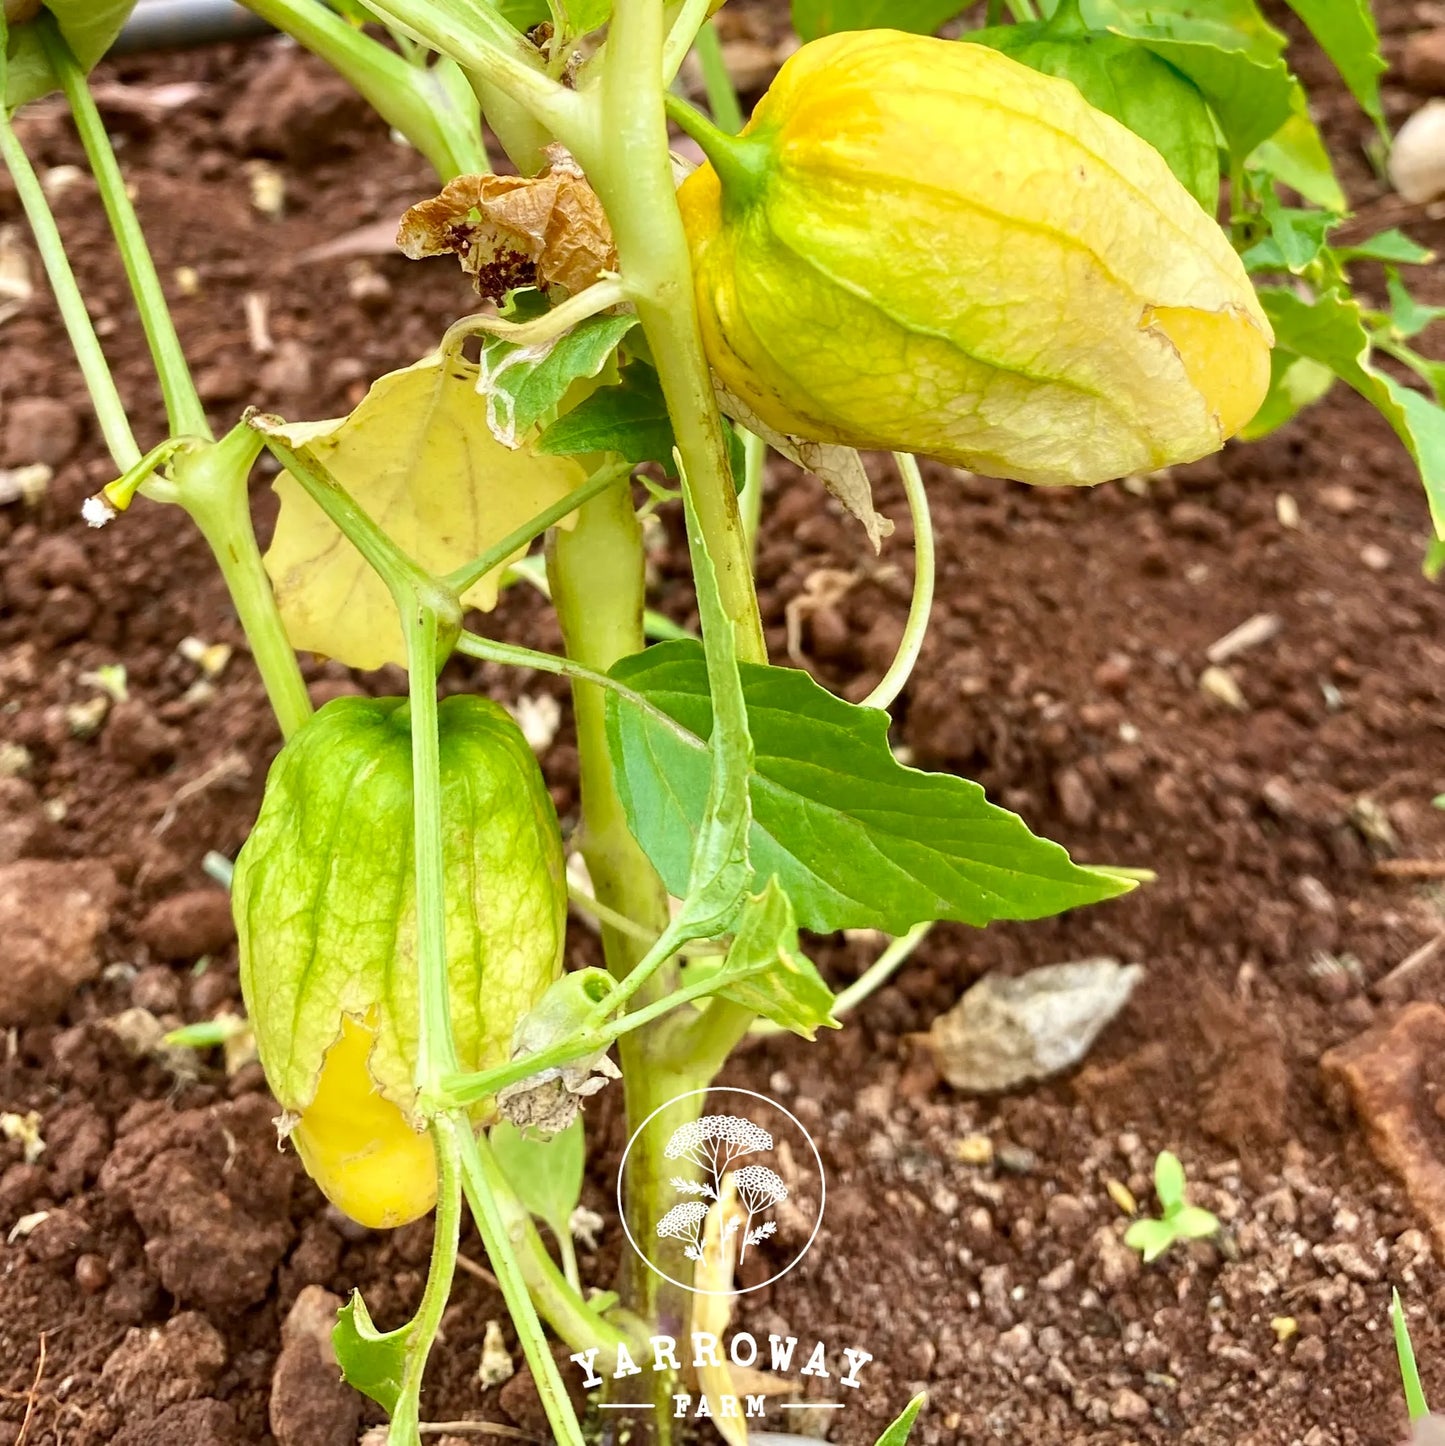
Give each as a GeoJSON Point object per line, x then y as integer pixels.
{"type": "Point", "coordinates": [853, 837]}
{"type": "Point", "coordinates": [1226, 48]}
{"type": "Point", "coordinates": [1295, 155]}
{"type": "Point", "coordinates": [545, 1170]}
{"type": "Point", "coordinates": [1345, 30]}
{"type": "Point", "coordinates": [766, 972]}
{"type": "Point", "coordinates": [1392, 245]}
{"type": "Point", "coordinates": [629, 419]}
{"type": "Point", "coordinates": [372, 1361]}
{"type": "Point", "coordinates": [1126, 80]}
{"type": "Point", "coordinates": [1408, 316]}
{"type": "Point", "coordinates": [1296, 238]}
{"type": "Point", "coordinates": [520, 390]}
{"type": "Point", "coordinates": [1331, 330]}
{"type": "Point", "coordinates": [523, 14]}
{"type": "Point", "coordinates": [812, 18]}
{"type": "Point", "coordinates": [1295, 382]}
{"type": "Point", "coordinates": [897, 1434]}
{"type": "Point", "coordinates": [90, 27]}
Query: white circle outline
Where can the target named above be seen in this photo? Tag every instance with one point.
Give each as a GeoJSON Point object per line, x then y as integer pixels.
{"type": "Point", "coordinates": [721, 1090]}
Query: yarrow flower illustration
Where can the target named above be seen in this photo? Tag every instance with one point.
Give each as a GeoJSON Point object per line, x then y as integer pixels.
{"type": "Point", "coordinates": [712, 1143]}
{"type": "Point", "coordinates": [684, 1222]}
{"type": "Point", "coordinates": [758, 1188]}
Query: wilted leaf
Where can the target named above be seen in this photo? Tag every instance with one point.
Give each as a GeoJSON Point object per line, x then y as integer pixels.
{"type": "Point", "coordinates": [548, 231]}
{"type": "Point", "coordinates": [838, 468]}
{"type": "Point", "coordinates": [418, 456]}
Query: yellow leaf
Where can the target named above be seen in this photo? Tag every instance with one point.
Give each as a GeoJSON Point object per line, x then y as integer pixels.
{"type": "Point", "coordinates": [418, 457]}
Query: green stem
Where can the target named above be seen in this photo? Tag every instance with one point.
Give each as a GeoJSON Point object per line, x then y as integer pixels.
{"type": "Point", "coordinates": [469, 1089]}
{"type": "Point", "coordinates": [411, 99]}
{"type": "Point", "coordinates": [722, 96]}
{"type": "Point", "coordinates": [510, 654]}
{"type": "Point", "coordinates": [493, 55]}
{"type": "Point", "coordinates": [436, 1052]}
{"type": "Point", "coordinates": [750, 499]}
{"type": "Point", "coordinates": [184, 412]}
{"type": "Point", "coordinates": [406, 1419]}
{"type": "Point", "coordinates": [483, 1179]}
{"type": "Point", "coordinates": [691, 18]}
{"type": "Point", "coordinates": [892, 683]}
{"type": "Point", "coordinates": [546, 328]}
{"type": "Point", "coordinates": [631, 170]}
{"type": "Point", "coordinates": [211, 485]}
{"type": "Point", "coordinates": [109, 409]}
{"type": "Point", "coordinates": [468, 576]}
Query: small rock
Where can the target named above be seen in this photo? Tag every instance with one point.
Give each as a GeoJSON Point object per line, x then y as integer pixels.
{"type": "Point", "coordinates": [1416, 163]}
{"type": "Point", "coordinates": [52, 915]}
{"type": "Point", "coordinates": [1338, 498]}
{"type": "Point", "coordinates": [1115, 1265]}
{"type": "Point", "coordinates": [1066, 1213]}
{"type": "Point", "coordinates": [310, 1404]}
{"type": "Point", "coordinates": [1310, 1354]}
{"type": "Point", "coordinates": [1422, 63]}
{"type": "Point", "coordinates": [1375, 557]}
{"type": "Point", "coordinates": [38, 429]}
{"type": "Point", "coordinates": [187, 1424]}
{"type": "Point", "coordinates": [186, 926]}
{"type": "Point", "coordinates": [92, 1274]}
{"type": "Point", "coordinates": [25, 832]}
{"type": "Point", "coordinates": [156, 990]}
{"type": "Point", "coordinates": [1005, 1032]}
{"type": "Point", "coordinates": [1076, 803]}
{"type": "Point", "coordinates": [1129, 1406]}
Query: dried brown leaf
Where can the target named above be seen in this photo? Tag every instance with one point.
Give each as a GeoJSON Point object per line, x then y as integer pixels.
{"type": "Point", "coordinates": [509, 231]}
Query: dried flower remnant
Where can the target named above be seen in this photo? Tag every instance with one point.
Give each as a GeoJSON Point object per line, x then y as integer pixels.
{"type": "Point", "coordinates": [548, 231]}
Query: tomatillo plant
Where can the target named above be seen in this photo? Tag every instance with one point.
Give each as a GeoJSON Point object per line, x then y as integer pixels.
{"type": "Point", "coordinates": [1001, 251]}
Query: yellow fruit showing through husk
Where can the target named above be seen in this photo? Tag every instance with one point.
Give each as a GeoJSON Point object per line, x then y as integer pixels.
{"type": "Point", "coordinates": [357, 1145]}
{"type": "Point", "coordinates": [925, 246]}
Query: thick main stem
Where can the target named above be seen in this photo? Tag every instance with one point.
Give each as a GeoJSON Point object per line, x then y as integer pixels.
{"type": "Point", "coordinates": [597, 577]}
{"type": "Point", "coordinates": [629, 166]}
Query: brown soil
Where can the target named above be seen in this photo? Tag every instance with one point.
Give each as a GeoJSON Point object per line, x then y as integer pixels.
{"type": "Point", "coordinates": [1062, 672]}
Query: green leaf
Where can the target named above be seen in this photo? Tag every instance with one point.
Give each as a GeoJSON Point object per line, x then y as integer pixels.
{"type": "Point", "coordinates": [854, 838]}
{"type": "Point", "coordinates": [1295, 382]}
{"type": "Point", "coordinates": [1226, 48]}
{"type": "Point", "coordinates": [1296, 156]}
{"type": "Point", "coordinates": [1415, 1404]}
{"type": "Point", "coordinates": [1432, 567]}
{"type": "Point", "coordinates": [1296, 238]}
{"type": "Point", "coordinates": [372, 1361]}
{"type": "Point", "coordinates": [630, 419]}
{"type": "Point", "coordinates": [520, 391]}
{"type": "Point", "coordinates": [897, 1434]}
{"type": "Point", "coordinates": [1331, 330]}
{"type": "Point", "coordinates": [1345, 31]}
{"type": "Point", "coordinates": [1392, 245]}
{"type": "Point", "coordinates": [545, 1170]}
{"type": "Point", "coordinates": [1126, 80]}
{"type": "Point", "coordinates": [1409, 317]}
{"type": "Point", "coordinates": [1192, 1222]}
{"type": "Point", "coordinates": [523, 14]}
{"type": "Point", "coordinates": [1169, 1180]}
{"type": "Point", "coordinates": [1151, 1238]}
{"type": "Point", "coordinates": [765, 971]}
{"type": "Point", "coordinates": [812, 18]}
{"type": "Point", "coordinates": [585, 16]}
{"type": "Point", "coordinates": [89, 26]}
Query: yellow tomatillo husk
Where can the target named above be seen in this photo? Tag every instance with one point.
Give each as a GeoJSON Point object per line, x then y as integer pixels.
{"type": "Point", "coordinates": [325, 902]}
{"type": "Point", "coordinates": [925, 246]}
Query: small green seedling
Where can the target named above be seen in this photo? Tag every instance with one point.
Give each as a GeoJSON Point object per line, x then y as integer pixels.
{"type": "Point", "coordinates": [1409, 1373]}
{"type": "Point", "coordinates": [1178, 1220]}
